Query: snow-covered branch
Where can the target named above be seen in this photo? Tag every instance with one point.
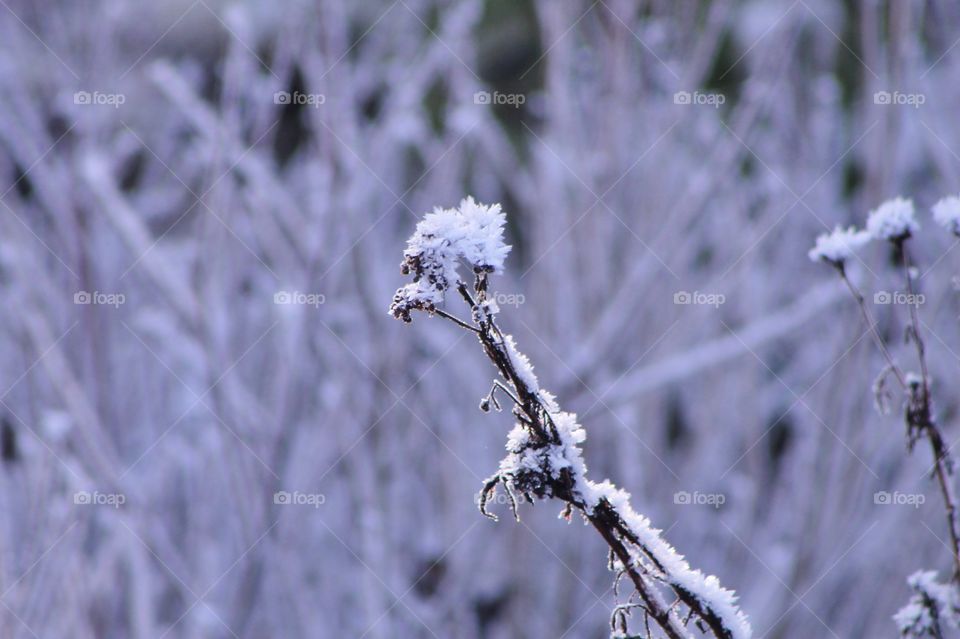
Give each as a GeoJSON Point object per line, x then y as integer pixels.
{"type": "Point", "coordinates": [544, 458]}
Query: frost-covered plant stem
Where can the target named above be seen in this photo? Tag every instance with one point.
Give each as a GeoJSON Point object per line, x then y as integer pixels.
{"type": "Point", "coordinates": [921, 422]}
{"type": "Point", "coordinates": [918, 415]}
{"type": "Point", "coordinates": [604, 517]}
{"type": "Point", "coordinates": [893, 222]}
{"type": "Point", "coordinates": [544, 458]}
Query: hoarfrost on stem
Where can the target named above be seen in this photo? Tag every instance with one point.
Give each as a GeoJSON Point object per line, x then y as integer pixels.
{"type": "Point", "coordinates": [522, 364]}
{"type": "Point", "coordinates": [933, 607]}
{"type": "Point", "coordinates": [544, 459]}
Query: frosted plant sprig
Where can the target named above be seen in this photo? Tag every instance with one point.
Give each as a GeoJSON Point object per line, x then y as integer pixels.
{"type": "Point", "coordinates": [471, 233]}
{"type": "Point", "coordinates": [932, 608]}
{"type": "Point", "coordinates": [544, 459]}
{"type": "Point", "coordinates": [894, 221]}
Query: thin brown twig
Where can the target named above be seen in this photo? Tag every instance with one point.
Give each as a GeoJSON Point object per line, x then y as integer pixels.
{"type": "Point", "coordinates": [921, 420]}
{"type": "Point", "coordinates": [456, 320]}
{"type": "Point", "coordinates": [872, 326]}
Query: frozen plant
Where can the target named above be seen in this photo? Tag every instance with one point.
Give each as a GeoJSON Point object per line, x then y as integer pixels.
{"type": "Point", "coordinates": [544, 459]}
{"type": "Point", "coordinates": [471, 232]}
{"type": "Point", "coordinates": [838, 246]}
{"type": "Point", "coordinates": [894, 222]}
{"type": "Point", "coordinates": [933, 607]}
{"type": "Point", "coordinates": [946, 213]}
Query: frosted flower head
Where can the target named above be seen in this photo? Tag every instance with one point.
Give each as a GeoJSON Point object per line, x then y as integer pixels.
{"type": "Point", "coordinates": [946, 213]}
{"type": "Point", "coordinates": [893, 220]}
{"type": "Point", "coordinates": [471, 233]}
{"type": "Point", "coordinates": [933, 605]}
{"type": "Point", "coordinates": [481, 243]}
{"type": "Point", "coordinates": [835, 247]}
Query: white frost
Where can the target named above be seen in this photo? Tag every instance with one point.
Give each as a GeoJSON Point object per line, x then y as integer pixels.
{"type": "Point", "coordinates": [706, 588]}
{"type": "Point", "coordinates": [946, 213]}
{"type": "Point", "coordinates": [522, 365]}
{"type": "Point", "coordinates": [524, 460]}
{"type": "Point", "coordinates": [933, 606]}
{"type": "Point", "coordinates": [480, 240]}
{"type": "Point", "coordinates": [892, 220]}
{"type": "Point", "coordinates": [471, 233]}
{"type": "Point", "coordinates": [835, 247]}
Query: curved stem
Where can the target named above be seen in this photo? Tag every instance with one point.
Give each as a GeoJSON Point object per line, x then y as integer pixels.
{"type": "Point", "coordinates": [872, 326]}
{"type": "Point", "coordinates": [456, 320]}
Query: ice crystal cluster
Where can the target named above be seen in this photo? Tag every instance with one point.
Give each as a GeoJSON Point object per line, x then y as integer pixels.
{"type": "Point", "coordinates": [892, 220]}
{"type": "Point", "coordinates": [471, 233]}
{"type": "Point", "coordinates": [932, 608]}
{"type": "Point", "coordinates": [946, 213]}
{"type": "Point", "coordinates": [839, 245]}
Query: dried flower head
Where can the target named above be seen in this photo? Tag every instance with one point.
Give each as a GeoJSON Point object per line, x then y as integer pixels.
{"type": "Point", "coordinates": [893, 220]}
{"type": "Point", "coordinates": [471, 233]}
{"type": "Point", "coordinates": [946, 213]}
{"type": "Point", "coordinates": [838, 245]}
